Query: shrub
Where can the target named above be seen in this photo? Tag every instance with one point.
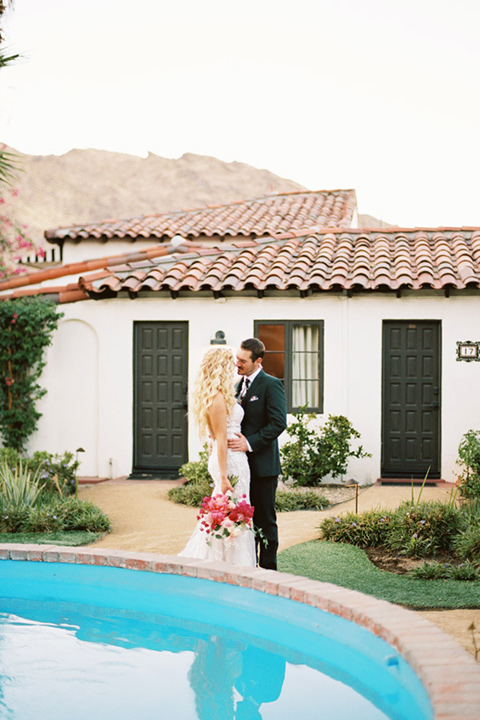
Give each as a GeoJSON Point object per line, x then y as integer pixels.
{"type": "Point", "coordinates": [199, 485]}
{"type": "Point", "coordinates": [425, 528]}
{"type": "Point", "coordinates": [467, 543]}
{"type": "Point", "coordinates": [311, 453]}
{"type": "Point", "coordinates": [198, 481]}
{"type": "Point", "coordinates": [464, 571]}
{"type": "Point", "coordinates": [197, 471]}
{"type": "Point", "coordinates": [429, 571]}
{"type": "Point", "coordinates": [56, 515]}
{"type": "Point", "coordinates": [19, 486]}
{"type": "Point", "coordinates": [41, 519]}
{"type": "Point", "coordinates": [290, 500]}
{"type": "Point", "coordinates": [469, 458]}
{"type": "Point", "coordinates": [13, 519]}
{"type": "Point", "coordinates": [190, 494]}
{"type": "Point", "coordinates": [76, 514]}
{"type": "Point", "coordinates": [368, 529]}
{"type": "Point", "coordinates": [445, 571]}
{"type": "Point", "coordinates": [57, 472]}
{"type": "Point", "coordinates": [10, 456]}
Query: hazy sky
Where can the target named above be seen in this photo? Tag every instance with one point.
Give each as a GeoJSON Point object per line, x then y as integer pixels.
{"type": "Point", "coordinates": [379, 95]}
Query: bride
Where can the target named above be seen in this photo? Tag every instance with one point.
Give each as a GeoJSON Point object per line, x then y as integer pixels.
{"type": "Point", "coordinates": [219, 416]}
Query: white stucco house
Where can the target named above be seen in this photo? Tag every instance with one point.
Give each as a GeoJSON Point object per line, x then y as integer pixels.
{"type": "Point", "coordinates": [380, 325]}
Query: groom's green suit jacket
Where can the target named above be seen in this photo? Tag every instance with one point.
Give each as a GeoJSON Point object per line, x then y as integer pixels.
{"type": "Point", "coordinates": [265, 419]}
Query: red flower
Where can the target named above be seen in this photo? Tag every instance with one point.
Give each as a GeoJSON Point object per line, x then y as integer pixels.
{"type": "Point", "coordinates": [223, 516]}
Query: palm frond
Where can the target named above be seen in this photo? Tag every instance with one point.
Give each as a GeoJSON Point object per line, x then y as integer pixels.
{"type": "Point", "coordinates": [7, 59]}
{"type": "Point", "coordinates": [8, 166]}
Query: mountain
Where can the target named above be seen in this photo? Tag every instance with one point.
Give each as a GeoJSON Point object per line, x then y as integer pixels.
{"type": "Point", "coordinates": [91, 185]}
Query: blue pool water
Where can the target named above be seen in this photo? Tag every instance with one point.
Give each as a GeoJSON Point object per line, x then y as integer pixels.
{"type": "Point", "coordinates": [93, 643]}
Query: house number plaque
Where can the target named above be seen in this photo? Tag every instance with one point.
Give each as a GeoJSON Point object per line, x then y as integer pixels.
{"type": "Point", "coordinates": [468, 351]}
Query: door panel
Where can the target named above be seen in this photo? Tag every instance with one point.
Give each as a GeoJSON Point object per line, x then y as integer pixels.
{"type": "Point", "coordinates": [160, 397]}
{"type": "Point", "coordinates": [411, 399]}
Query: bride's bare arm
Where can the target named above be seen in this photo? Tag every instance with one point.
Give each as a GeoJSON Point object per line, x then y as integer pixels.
{"type": "Point", "coordinates": [217, 418]}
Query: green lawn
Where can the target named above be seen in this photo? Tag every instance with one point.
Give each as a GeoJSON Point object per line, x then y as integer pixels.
{"type": "Point", "coordinates": [73, 538]}
{"type": "Point", "coordinates": [348, 566]}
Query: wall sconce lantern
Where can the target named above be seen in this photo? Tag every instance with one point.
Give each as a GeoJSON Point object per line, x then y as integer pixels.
{"type": "Point", "coordinates": [219, 338]}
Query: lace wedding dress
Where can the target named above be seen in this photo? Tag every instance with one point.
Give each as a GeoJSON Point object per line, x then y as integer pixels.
{"type": "Point", "coordinates": [241, 549]}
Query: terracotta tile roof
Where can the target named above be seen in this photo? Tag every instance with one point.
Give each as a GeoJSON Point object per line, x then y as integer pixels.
{"type": "Point", "coordinates": [336, 259]}
{"type": "Point", "coordinates": [264, 216]}
{"type": "Point", "coordinates": [351, 260]}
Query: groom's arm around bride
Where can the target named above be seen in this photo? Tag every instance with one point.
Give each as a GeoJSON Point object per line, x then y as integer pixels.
{"type": "Point", "coordinates": [265, 419]}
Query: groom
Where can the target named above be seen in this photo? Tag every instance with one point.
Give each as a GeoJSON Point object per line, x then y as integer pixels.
{"type": "Point", "coordinates": [263, 400]}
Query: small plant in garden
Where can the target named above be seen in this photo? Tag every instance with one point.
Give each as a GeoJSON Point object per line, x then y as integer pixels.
{"type": "Point", "coordinates": [429, 571]}
{"type": "Point", "coordinates": [367, 529]}
{"type": "Point", "coordinates": [312, 452]}
{"type": "Point", "coordinates": [467, 543]}
{"type": "Point", "coordinates": [28, 507]}
{"type": "Point", "coordinates": [465, 571]}
{"type": "Point", "coordinates": [54, 515]}
{"type": "Point", "coordinates": [446, 571]}
{"type": "Point", "coordinates": [412, 530]}
{"type": "Point", "coordinates": [75, 514]}
{"type": "Point", "coordinates": [13, 519]}
{"type": "Point", "coordinates": [290, 500]}
{"type": "Point", "coordinates": [469, 458]}
{"type": "Point", "coordinates": [425, 528]}
{"type": "Point", "coordinates": [58, 472]}
{"type": "Point", "coordinates": [198, 481]}
{"type": "Point", "coordinates": [19, 486]}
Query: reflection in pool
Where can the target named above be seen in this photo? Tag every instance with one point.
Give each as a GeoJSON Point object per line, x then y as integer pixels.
{"type": "Point", "coordinates": [88, 643]}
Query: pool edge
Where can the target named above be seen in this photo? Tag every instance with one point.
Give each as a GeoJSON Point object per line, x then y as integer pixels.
{"type": "Point", "coordinates": [449, 674]}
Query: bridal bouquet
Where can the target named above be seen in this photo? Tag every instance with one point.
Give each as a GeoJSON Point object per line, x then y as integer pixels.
{"type": "Point", "coordinates": [224, 517]}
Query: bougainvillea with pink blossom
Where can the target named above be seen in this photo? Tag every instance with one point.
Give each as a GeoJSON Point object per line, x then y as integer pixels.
{"type": "Point", "coordinates": [15, 245]}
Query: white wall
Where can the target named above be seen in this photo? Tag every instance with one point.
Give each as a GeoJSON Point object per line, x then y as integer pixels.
{"type": "Point", "coordinates": [90, 367]}
{"type": "Point", "coordinates": [70, 407]}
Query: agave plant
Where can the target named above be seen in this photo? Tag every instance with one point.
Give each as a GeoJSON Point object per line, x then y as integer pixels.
{"type": "Point", "coordinates": [19, 487]}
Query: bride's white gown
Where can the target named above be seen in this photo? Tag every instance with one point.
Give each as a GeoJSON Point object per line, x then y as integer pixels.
{"type": "Point", "coordinates": [241, 549]}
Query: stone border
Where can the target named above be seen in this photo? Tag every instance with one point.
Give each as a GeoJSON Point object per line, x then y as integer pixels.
{"type": "Point", "coordinates": [449, 673]}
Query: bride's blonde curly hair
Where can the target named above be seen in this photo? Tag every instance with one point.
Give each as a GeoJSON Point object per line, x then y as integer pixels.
{"type": "Point", "coordinates": [215, 374]}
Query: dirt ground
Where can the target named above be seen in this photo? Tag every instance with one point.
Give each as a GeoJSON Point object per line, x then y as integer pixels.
{"type": "Point", "coordinates": [145, 520]}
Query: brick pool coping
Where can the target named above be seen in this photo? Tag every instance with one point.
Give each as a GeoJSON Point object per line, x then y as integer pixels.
{"type": "Point", "coordinates": [449, 673]}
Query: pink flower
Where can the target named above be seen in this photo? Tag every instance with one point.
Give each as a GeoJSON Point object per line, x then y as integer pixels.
{"type": "Point", "coordinates": [223, 516]}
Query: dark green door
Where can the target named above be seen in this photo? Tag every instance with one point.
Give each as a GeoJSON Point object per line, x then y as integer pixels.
{"type": "Point", "coordinates": [411, 399]}
{"type": "Point", "coordinates": [160, 397]}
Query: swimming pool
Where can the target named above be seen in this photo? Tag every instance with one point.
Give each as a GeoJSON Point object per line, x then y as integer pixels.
{"type": "Point", "coordinates": [121, 643]}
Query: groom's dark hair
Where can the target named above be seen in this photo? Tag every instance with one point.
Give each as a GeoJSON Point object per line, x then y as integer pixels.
{"type": "Point", "coordinates": [256, 347]}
